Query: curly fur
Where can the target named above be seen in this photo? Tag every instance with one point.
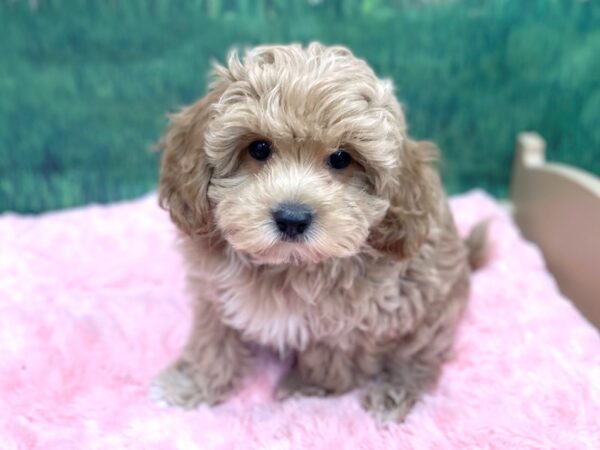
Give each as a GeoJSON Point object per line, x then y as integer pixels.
{"type": "Point", "coordinates": [373, 293]}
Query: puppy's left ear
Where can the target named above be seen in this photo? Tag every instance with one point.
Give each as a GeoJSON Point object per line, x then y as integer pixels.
{"type": "Point", "coordinates": [414, 197]}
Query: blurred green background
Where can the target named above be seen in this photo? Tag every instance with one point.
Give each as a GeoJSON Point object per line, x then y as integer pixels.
{"type": "Point", "coordinates": [85, 84]}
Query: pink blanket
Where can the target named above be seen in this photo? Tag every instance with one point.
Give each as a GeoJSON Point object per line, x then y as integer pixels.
{"type": "Point", "coordinates": [92, 305]}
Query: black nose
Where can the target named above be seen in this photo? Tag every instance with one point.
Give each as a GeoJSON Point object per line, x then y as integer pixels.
{"type": "Point", "coordinates": [292, 219]}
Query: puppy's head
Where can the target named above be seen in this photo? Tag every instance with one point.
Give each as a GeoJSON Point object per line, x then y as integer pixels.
{"type": "Point", "coordinates": [298, 155]}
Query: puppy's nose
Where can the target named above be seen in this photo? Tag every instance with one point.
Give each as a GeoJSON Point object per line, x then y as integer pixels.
{"type": "Point", "coordinates": [292, 219]}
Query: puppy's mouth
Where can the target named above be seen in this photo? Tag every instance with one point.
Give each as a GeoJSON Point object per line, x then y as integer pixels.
{"type": "Point", "coordinates": [299, 240]}
{"type": "Point", "coordinates": [292, 250]}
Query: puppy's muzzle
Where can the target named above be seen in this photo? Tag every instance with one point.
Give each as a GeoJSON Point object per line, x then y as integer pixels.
{"type": "Point", "coordinates": [292, 219]}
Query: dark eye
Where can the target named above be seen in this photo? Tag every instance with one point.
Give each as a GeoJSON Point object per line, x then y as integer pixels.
{"type": "Point", "coordinates": [260, 150]}
{"type": "Point", "coordinates": [340, 159]}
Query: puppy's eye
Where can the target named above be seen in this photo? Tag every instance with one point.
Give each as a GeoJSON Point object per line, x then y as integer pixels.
{"type": "Point", "coordinates": [260, 150]}
{"type": "Point", "coordinates": [340, 159]}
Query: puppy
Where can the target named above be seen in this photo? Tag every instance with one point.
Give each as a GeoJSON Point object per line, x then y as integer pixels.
{"type": "Point", "coordinates": [311, 223]}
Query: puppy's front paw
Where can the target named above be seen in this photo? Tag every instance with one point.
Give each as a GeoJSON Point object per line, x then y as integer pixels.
{"type": "Point", "coordinates": [182, 384]}
{"type": "Point", "coordinates": [388, 402]}
{"type": "Point", "coordinates": [292, 385]}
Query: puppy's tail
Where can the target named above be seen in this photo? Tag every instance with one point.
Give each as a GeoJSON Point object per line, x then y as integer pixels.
{"type": "Point", "coordinates": [476, 243]}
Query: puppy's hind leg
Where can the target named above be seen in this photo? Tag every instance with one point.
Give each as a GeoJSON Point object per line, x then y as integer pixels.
{"type": "Point", "coordinates": [209, 367]}
{"type": "Point", "coordinates": [411, 369]}
{"type": "Point", "coordinates": [394, 394]}
{"type": "Point", "coordinates": [414, 365]}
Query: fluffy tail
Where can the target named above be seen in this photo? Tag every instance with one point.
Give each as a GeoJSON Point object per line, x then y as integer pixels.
{"type": "Point", "coordinates": [477, 246]}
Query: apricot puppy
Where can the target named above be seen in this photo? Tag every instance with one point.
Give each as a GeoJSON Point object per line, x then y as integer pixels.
{"type": "Point", "coordinates": [311, 223]}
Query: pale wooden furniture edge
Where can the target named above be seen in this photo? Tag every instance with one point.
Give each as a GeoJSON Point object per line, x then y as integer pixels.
{"type": "Point", "coordinates": [558, 207]}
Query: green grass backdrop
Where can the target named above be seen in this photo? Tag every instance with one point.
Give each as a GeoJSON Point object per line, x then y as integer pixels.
{"type": "Point", "coordinates": [85, 84]}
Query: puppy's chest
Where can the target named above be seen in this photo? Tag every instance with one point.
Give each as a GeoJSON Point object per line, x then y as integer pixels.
{"type": "Point", "coordinates": [276, 318]}
{"type": "Point", "coordinates": [291, 316]}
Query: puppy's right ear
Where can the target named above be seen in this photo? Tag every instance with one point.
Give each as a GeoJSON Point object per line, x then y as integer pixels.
{"type": "Point", "coordinates": [185, 174]}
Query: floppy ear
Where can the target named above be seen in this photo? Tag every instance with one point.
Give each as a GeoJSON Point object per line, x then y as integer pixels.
{"type": "Point", "coordinates": [185, 175]}
{"type": "Point", "coordinates": [413, 202]}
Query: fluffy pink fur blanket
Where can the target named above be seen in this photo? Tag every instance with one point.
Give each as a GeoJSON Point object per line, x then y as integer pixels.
{"type": "Point", "coordinates": [92, 305]}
